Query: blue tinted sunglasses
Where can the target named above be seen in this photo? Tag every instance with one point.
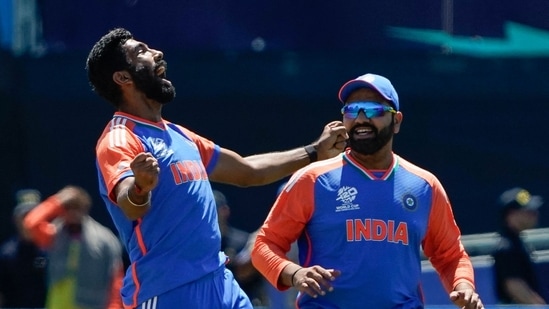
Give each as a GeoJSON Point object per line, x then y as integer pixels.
{"type": "Point", "coordinates": [370, 109]}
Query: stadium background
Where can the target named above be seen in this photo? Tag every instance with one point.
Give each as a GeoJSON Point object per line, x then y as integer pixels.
{"type": "Point", "coordinates": [256, 77]}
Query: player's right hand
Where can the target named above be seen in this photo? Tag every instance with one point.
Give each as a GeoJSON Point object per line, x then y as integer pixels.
{"type": "Point", "coordinates": [315, 280]}
{"type": "Point", "coordinates": [145, 170]}
{"type": "Point", "coordinates": [332, 141]}
{"type": "Point", "coordinates": [465, 297]}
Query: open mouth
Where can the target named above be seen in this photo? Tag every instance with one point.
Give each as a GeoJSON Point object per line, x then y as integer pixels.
{"type": "Point", "coordinates": [161, 71]}
{"type": "Point", "coordinates": [364, 132]}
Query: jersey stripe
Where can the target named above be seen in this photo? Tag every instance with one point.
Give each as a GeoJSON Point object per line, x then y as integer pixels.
{"type": "Point", "coordinates": [150, 304]}
{"type": "Point", "coordinates": [117, 136]}
{"type": "Point", "coordinates": [137, 284]}
{"type": "Point", "coordinates": [307, 260]}
{"type": "Point", "coordinates": [142, 246]}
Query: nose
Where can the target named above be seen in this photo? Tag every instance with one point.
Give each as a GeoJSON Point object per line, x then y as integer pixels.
{"type": "Point", "coordinates": [158, 55]}
{"type": "Point", "coordinates": [362, 116]}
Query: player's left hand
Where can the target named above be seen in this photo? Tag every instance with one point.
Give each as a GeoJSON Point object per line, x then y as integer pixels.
{"type": "Point", "coordinates": [465, 297]}
{"type": "Point", "coordinates": [332, 141]}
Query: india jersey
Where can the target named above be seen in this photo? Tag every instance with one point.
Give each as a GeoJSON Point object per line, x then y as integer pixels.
{"type": "Point", "coordinates": [371, 226]}
{"type": "Point", "coordinates": [178, 240]}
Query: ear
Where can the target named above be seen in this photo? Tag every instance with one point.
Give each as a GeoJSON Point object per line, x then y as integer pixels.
{"type": "Point", "coordinates": [398, 121]}
{"type": "Point", "coordinates": [121, 77]}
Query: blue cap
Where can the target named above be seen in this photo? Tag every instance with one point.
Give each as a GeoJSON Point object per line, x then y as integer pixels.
{"type": "Point", "coordinates": [372, 81]}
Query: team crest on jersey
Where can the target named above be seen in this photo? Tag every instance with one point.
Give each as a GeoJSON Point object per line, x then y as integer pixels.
{"type": "Point", "coordinates": [160, 149]}
{"type": "Point", "coordinates": [409, 202]}
{"type": "Point", "coordinates": [347, 195]}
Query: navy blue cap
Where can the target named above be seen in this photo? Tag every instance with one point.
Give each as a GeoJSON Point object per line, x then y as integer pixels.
{"type": "Point", "coordinates": [520, 199]}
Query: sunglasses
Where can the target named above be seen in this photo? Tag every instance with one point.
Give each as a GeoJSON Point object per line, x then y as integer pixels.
{"type": "Point", "coordinates": [370, 109]}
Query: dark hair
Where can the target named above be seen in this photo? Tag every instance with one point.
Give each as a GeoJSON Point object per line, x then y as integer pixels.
{"type": "Point", "coordinates": [106, 57]}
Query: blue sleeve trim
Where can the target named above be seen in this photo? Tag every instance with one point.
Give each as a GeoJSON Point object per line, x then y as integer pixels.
{"type": "Point", "coordinates": [213, 162]}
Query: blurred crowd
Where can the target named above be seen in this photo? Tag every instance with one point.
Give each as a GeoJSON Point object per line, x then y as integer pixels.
{"type": "Point", "coordinates": [60, 257]}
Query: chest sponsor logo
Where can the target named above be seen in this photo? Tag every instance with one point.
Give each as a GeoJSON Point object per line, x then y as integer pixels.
{"type": "Point", "coordinates": [376, 230]}
{"type": "Point", "coordinates": [160, 149]}
{"type": "Point", "coordinates": [185, 171]}
{"type": "Point", "coordinates": [346, 195]}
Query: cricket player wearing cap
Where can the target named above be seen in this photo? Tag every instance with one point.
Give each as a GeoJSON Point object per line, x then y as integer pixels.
{"type": "Point", "coordinates": [361, 218]}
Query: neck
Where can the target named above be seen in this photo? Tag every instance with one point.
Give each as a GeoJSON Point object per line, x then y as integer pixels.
{"type": "Point", "coordinates": [380, 160]}
{"type": "Point", "coordinates": [139, 105]}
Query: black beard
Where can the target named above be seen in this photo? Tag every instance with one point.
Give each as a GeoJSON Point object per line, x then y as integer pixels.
{"type": "Point", "coordinates": [372, 145]}
{"type": "Point", "coordinates": [152, 85]}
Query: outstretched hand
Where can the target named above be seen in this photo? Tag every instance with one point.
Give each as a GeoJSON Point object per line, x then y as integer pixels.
{"type": "Point", "coordinates": [465, 297]}
{"type": "Point", "coordinates": [332, 141]}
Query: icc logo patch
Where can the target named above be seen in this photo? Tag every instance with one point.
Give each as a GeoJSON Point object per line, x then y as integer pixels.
{"type": "Point", "coordinates": [409, 202]}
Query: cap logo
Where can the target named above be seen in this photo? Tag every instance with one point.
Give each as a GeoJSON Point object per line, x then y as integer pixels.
{"type": "Point", "coordinates": [523, 197]}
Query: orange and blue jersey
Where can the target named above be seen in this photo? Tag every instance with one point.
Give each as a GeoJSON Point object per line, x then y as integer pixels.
{"type": "Point", "coordinates": [370, 225]}
{"type": "Point", "coordinates": [178, 240]}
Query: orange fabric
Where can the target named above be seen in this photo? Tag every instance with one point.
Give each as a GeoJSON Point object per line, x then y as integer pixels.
{"type": "Point", "coordinates": [118, 145]}
{"type": "Point", "coordinates": [439, 245]}
{"type": "Point", "coordinates": [204, 145]}
{"type": "Point", "coordinates": [450, 260]}
{"type": "Point", "coordinates": [38, 221]}
{"type": "Point", "coordinates": [115, 150]}
{"type": "Point", "coordinates": [137, 284]}
{"type": "Point", "coordinates": [285, 232]}
{"type": "Point", "coordinates": [115, 299]}
{"type": "Point", "coordinates": [43, 233]}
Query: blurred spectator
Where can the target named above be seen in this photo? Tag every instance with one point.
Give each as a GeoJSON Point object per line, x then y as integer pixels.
{"type": "Point", "coordinates": [515, 276]}
{"type": "Point", "coordinates": [233, 243]}
{"type": "Point", "coordinates": [270, 297]}
{"type": "Point", "coordinates": [85, 263]}
{"type": "Point", "coordinates": [232, 239]}
{"type": "Point", "coordinates": [249, 278]}
{"type": "Point", "coordinates": [22, 263]}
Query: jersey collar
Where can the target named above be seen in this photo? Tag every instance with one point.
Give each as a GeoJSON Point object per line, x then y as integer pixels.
{"type": "Point", "coordinates": [160, 125]}
{"type": "Point", "coordinates": [368, 173]}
